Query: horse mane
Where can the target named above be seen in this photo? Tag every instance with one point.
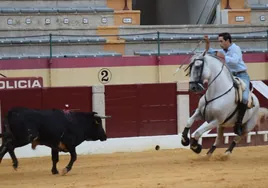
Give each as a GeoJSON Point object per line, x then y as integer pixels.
{"type": "Point", "coordinates": [221, 61]}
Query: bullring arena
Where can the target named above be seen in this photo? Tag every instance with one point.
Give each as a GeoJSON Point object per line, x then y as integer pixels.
{"type": "Point", "coordinates": [104, 56]}
{"type": "Point", "coordinates": [247, 167]}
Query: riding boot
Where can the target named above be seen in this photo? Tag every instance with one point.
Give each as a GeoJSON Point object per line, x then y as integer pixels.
{"type": "Point", "coordinates": [238, 125]}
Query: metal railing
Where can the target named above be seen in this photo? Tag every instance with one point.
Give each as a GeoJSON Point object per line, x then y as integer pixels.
{"type": "Point", "coordinates": [178, 43]}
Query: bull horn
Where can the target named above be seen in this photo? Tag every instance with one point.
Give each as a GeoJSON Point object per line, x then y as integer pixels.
{"type": "Point", "coordinates": [102, 117]}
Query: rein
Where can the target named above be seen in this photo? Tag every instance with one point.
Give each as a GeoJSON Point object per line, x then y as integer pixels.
{"type": "Point", "coordinates": [3, 75]}
{"type": "Point", "coordinates": [209, 101]}
{"type": "Point", "coordinates": [183, 62]}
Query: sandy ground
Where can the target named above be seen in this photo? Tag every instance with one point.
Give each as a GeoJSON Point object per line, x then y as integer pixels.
{"type": "Point", "coordinates": [247, 167]}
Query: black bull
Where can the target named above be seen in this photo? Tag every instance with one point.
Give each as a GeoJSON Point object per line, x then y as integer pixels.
{"type": "Point", "coordinates": [52, 128]}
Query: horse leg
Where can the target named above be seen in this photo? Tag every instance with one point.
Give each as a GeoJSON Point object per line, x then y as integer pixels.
{"type": "Point", "coordinates": [185, 141]}
{"type": "Point", "coordinates": [55, 160]}
{"type": "Point", "coordinates": [236, 140]}
{"type": "Point", "coordinates": [72, 160]}
{"type": "Point", "coordinates": [197, 148]}
{"type": "Point", "coordinates": [247, 128]}
{"type": "Point", "coordinates": [217, 141]}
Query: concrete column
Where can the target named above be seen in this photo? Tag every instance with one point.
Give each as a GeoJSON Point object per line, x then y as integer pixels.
{"type": "Point", "coordinates": [98, 101]}
{"type": "Point", "coordinates": [224, 17]}
{"type": "Point", "coordinates": [183, 105]}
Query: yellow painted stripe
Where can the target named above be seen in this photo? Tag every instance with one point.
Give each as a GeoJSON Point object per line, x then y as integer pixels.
{"type": "Point", "coordinates": [121, 75]}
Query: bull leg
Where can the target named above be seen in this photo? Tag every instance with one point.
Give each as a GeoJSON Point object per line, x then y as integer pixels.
{"type": "Point", "coordinates": [14, 158]}
{"type": "Point", "coordinates": [8, 147]}
{"type": "Point", "coordinates": [4, 148]}
{"type": "Point", "coordinates": [185, 141]}
{"type": "Point", "coordinates": [72, 160]}
{"type": "Point", "coordinates": [55, 160]}
{"type": "Point", "coordinates": [217, 141]}
{"type": "Point", "coordinates": [3, 151]}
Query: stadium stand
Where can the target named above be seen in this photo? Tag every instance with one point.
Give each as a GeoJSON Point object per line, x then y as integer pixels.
{"type": "Point", "coordinates": [178, 52]}
{"type": "Point", "coordinates": [27, 25]}
{"type": "Point", "coordinates": [85, 28]}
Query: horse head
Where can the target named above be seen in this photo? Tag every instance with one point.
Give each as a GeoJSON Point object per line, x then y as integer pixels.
{"type": "Point", "coordinates": [198, 72]}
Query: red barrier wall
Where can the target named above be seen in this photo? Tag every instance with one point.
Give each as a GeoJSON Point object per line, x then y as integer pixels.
{"type": "Point", "coordinates": [31, 98]}
{"type": "Point", "coordinates": [141, 110]}
{"type": "Point", "coordinates": [78, 98]}
{"type": "Point", "coordinates": [136, 110]}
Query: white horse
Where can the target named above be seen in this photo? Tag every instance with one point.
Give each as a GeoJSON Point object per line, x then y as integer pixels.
{"type": "Point", "coordinates": [218, 106]}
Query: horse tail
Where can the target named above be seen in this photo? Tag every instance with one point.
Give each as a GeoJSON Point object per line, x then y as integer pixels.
{"type": "Point", "coordinates": [262, 119]}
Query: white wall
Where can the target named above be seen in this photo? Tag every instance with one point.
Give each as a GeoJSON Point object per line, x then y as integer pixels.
{"type": "Point", "coordinates": [134, 144]}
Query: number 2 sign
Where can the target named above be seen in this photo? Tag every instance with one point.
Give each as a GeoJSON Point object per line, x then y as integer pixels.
{"type": "Point", "coordinates": [105, 76]}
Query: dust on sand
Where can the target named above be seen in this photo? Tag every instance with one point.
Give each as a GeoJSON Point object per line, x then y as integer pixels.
{"type": "Point", "coordinates": [246, 167]}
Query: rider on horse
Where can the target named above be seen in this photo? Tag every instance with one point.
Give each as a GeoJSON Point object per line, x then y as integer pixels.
{"type": "Point", "coordinates": [232, 55]}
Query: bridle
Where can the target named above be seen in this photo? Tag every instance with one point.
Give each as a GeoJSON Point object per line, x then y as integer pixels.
{"type": "Point", "coordinates": [200, 83]}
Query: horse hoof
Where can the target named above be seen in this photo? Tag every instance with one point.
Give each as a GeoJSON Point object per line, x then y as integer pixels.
{"type": "Point", "coordinates": [64, 171]}
{"type": "Point", "coordinates": [204, 157]}
{"type": "Point", "coordinates": [196, 148]}
{"type": "Point", "coordinates": [227, 153]}
{"type": "Point", "coordinates": [226, 156]}
{"type": "Point", "coordinates": [185, 141]}
{"type": "Point", "coordinates": [209, 155]}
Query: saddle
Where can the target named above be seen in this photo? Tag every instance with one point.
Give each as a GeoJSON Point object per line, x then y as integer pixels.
{"type": "Point", "coordinates": [240, 87]}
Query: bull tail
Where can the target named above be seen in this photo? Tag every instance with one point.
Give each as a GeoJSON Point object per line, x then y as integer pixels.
{"type": "Point", "coordinates": [6, 133]}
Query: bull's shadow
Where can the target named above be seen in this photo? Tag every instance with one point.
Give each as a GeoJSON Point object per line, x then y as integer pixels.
{"type": "Point", "coordinates": [53, 128]}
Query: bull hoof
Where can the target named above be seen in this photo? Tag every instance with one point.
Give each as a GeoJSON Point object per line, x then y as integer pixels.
{"type": "Point", "coordinates": [54, 171]}
{"type": "Point", "coordinates": [64, 171]}
{"type": "Point", "coordinates": [185, 141]}
{"type": "Point", "coordinates": [15, 166]}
